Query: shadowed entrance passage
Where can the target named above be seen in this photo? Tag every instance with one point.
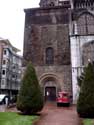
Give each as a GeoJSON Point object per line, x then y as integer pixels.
{"type": "Point", "coordinates": [50, 93]}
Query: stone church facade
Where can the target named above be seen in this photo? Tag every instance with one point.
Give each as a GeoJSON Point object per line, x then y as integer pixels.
{"type": "Point", "coordinates": [88, 52]}
{"type": "Point", "coordinates": [81, 33]}
{"type": "Point", "coordinates": [53, 39]}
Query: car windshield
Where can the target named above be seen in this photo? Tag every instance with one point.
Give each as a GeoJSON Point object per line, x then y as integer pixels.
{"type": "Point", "coordinates": [65, 94]}
{"type": "Point", "coordinates": [2, 97]}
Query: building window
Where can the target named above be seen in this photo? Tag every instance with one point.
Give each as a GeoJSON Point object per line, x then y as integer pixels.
{"type": "Point", "coordinates": [4, 62]}
{"type": "Point", "coordinates": [3, 82]}
{"type": "Point", "coordinates": [13, 76]}
{"type": "Point", "coordinates": [85, 24]}
{"type": "Point", "coordinates": [14, 67]}
{"type": "Point", "coordinates": [49, 55]}
{"type": "Point", "coordinates": [52, 4]}
{"type": "Point", "coordinates": [5, 52]}
{"type": "Point", "coordinates": [82, 59]}
{"type": "Point", "coordinates": [3, 72]}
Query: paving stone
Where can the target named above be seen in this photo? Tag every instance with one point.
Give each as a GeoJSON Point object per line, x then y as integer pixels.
{"type": "Point", "coordinates": [53, 115]}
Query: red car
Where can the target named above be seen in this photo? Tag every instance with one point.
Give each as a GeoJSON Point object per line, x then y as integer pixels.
{"type": "Point", "coordinates": [63, 98]}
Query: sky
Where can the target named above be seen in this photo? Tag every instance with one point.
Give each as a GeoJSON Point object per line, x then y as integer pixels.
{"type": "Point", "coordinates": [12, 19]}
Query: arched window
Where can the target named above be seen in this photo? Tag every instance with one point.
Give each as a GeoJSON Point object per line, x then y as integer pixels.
{"type": "Point", "coordinates": [49, 55]}
{"type": "Point", "coordinates": [85, 24]}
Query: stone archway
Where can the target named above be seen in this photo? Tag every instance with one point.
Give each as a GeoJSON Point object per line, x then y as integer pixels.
{"type": "Point", "coordinates": [51, 86]}
{"type": "Point", "coordinates": [50, 89]}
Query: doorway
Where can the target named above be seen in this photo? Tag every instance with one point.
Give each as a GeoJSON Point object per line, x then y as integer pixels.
{"type": "Point", "coordinates": [50, 93]}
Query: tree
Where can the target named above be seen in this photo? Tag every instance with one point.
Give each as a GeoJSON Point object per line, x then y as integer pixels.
{"type": "Point", "coordinates": [85, 104]}
{"type": "Point", "coordinates": [30, 98]}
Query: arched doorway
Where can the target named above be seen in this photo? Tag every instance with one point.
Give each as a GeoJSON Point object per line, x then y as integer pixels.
{"type": "Point", "coordinates": [50, 87]}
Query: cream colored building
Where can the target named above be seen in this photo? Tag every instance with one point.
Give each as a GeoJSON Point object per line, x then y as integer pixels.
{"type": "Point", "coordinates": [10, 68]}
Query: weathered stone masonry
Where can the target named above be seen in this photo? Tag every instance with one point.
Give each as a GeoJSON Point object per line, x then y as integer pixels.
{"type": "Point", "coordinates": [44, 28]}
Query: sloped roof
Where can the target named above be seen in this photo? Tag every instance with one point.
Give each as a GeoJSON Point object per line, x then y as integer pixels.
{"type": "Point", "coordinates": [7, 42]}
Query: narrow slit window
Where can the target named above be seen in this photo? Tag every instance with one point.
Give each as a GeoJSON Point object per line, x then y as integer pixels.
{"type": "Point", "coordinates": [49, 55]}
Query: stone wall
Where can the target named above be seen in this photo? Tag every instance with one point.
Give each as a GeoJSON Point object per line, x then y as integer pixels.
{"type": "Point", "coordinates": [49, 27]}
{"type": "Point", "coordinates": [63, 73]}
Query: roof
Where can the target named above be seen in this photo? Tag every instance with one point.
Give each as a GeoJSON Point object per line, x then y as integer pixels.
{"type": "Point", "coordinates": [7, 42]}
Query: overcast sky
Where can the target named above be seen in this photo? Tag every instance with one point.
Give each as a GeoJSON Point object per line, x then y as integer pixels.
{"type": "Point", "coordinates": [12, 20]}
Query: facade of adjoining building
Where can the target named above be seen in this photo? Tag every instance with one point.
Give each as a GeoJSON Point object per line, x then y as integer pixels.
{"type": "Point", "coordinates": [10, 68]}
{"type": "Point", "coordinates": [81, 32]}
{"type": "Point", "coordinates": [53, 41]}
{"type": "Point", "coordinates": [88, 53]}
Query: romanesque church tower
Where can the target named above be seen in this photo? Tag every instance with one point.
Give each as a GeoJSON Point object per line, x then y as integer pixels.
{"type": "Point", "coordinates": [47, 45]}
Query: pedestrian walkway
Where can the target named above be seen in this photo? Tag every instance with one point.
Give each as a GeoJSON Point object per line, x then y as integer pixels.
{"type": "Point", "coordinates": [2, 108]}
{"type": "Point", "coordinates": [53, 115]}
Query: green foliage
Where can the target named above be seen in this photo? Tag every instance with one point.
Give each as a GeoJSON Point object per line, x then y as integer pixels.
{"type": "Point", "coordinates": [85, 104]}
{"type": "Point", "coordinates": [88, 121]}
{"type": "Point", "coordinates": [30, 98]}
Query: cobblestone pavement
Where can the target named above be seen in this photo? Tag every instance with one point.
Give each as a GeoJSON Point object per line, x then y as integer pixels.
{"type": "Point", "coordinates": [53, 115]}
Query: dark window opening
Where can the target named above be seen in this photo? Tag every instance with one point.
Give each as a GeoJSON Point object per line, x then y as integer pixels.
{"type": "Point", "coordinates": [14, 67]}
{"type": "Point", "coordinates": [49, 55]}
{"type": "Point", "coordinates": [13, 76]}
{"type": "Point", "coordinates": [3, 72]}
{"type": "Point", "coordinates": [5, 52]}
{"type": "Point", "coordinates": [51, 4]}
{"type": "Point", "coordinates": [4, 62]}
